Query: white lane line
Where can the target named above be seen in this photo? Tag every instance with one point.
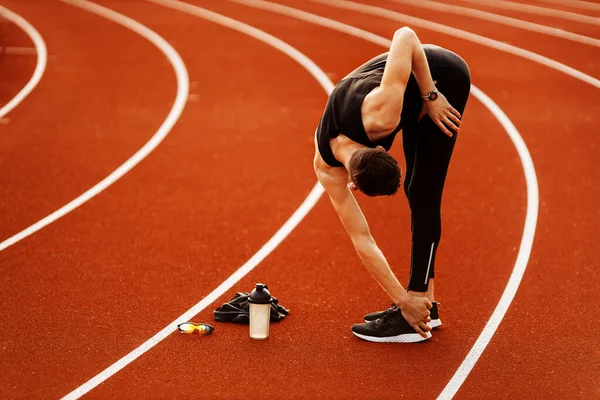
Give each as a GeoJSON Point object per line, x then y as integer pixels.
{"type": "Point", "coordinates": [585, 5]}
{"type": "Point", "coordinates": [522, 257]}
{"type": "Point", "coordinates": [530, 180]}
{"type": "Point", "coordinates": [42, 58]}
{"type": "Point", "coordinates": [501, 19]}
{"type": "Point", "coordinates": [277, 238]}
{"type": "Point", "coordinates": [155, 140]}
{"type": "Point", "coordinates": [537, 10]}
{"type": "Point", "coordinates": [465, 35]}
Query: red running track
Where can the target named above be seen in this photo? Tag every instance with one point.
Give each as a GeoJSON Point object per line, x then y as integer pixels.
{"type": "Point", "coordinates": [86, 290]}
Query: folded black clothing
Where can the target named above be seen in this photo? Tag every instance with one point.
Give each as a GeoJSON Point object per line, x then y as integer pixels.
{"type": "Point", "coordinates": [237, 310]}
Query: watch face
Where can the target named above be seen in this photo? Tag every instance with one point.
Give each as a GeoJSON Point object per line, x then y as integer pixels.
{"type": "Point", "coordinates": [433, 96]}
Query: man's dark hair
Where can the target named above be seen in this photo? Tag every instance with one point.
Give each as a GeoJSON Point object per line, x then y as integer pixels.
{"type": "Point", "coordinates": [374, 172]}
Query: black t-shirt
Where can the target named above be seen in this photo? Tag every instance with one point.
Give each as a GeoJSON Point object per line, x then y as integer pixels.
{"type": "Point", "coordinates": [342, 112]}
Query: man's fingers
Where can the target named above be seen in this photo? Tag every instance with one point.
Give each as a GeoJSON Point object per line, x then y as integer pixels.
{"type": "Point", "coordinates": [455, 112]}
{"type": "Point", "coordinates": [428, 303]}
{"type": "Point", "coordinates": [450, 123]}
{"type": "Point", "coordinates": [454, 119]}
{"type": "Point", "coordinates": [418, 329]}
{"type": "Point", "coordinates": [424, 327]}
{"type": "Point", "coordinates": [443, 128]}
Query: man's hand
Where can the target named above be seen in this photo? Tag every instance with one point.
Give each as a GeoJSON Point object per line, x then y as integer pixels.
{"type": "Point", "coordinates": [416, 312]}
{"type": "Point", "coordinates": [442, 114]}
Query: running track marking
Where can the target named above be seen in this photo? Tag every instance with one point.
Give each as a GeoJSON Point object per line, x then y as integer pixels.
{"type": "Point", "coordinates": [306, 206]}
{"type": "Point", "coordinates": [277, 238]}
{"type": "Point", "coordinates": [42, 57]}
{"type": "Point", "coordinates": [157, 138]}
{"type": "Point", "coordinates": [513, 284]}
{"type": "Point", "coordinates": [586, 5]}
{"type": "Point", "coordinates": [501, 19]}
{"type": "Point", "coordinates": [549, 12]}
{"type": "Point", "coordinates": [465, 35]}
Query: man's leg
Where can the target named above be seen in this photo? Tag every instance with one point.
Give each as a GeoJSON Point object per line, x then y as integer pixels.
{"type": "Point", "coordinates": [409, 145]}
{"type": "Point", "coordinates": [428, 157]}
{"type": "Point", "coordinates": [424, 187]}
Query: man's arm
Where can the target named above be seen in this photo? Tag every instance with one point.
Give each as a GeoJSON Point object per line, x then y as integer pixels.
{"type": "Point", "coordinates": [335, 182]}
{"type": "Point", "coordinates": [357, 228]}
{"type": "Point", "coordinates": [406, 55]}
{"type": "Point", "coordinates": [382, 108]}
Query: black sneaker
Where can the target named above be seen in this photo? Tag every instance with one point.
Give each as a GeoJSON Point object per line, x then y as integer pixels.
{"type": "Point", "coordinates": [435, 317]}
{"type": "Point", "coordinates": [391, 327]}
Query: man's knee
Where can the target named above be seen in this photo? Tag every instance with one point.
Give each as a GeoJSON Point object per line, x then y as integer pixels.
{"type": "Point", "coordinates": [424, 197]}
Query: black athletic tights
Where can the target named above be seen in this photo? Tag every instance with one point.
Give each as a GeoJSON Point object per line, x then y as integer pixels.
{"type": "Point", "coordinates": [428, 151]}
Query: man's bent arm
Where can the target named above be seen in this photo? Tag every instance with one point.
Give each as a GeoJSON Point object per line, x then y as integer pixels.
{"type": "Point", "coordinates": [357, 228]}
{"type": "Point", "coordinates": [383, 106]}
{"type": "Point", "coordinates": [406, 55]}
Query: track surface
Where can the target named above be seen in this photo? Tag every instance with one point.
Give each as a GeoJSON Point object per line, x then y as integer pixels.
{"type": "Point", "coordinates": [18, 68]}
{"type": "Point", "coordinates": [89, 288]}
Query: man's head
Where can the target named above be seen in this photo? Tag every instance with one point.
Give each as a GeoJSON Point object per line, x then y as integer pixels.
{"type": "Point", "coordinates": [374, 172]}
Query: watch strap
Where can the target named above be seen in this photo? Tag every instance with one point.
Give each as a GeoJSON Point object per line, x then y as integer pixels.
{"type": "Point", "coordinates": [433, 95]}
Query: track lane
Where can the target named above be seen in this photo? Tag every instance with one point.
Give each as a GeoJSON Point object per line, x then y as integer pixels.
{"type": "Point", "coordinates": [62, 137]}
{"type": "Point", "coordinates": [572, 26]}
{"type": "Point", "coordinates": [576, 55]}
{"type": "Point", "coordinates": [164, 230]}
{"type": "Point", "coordinates": [292, 275]}
{"type": "Point", "coordinates": [17, 71]}
{"type": "Point", "coordinates": [19, 37]}
{"type": "Point", "coordinates": [510, 361]}
{"type": "Point", "coordinates": [500, 19]}
{"type": "Point", "coordinates": [542, 7]}
{"type": "Point", "coordinates": [57, 140]}
{"type": "Point", "coordinates": [586, 7]}
{"type": "Point", "coordinates": [582, 8]}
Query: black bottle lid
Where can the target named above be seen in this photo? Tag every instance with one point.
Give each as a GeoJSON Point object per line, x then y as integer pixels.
{"type": "Point", "coordinates": [260, 295]}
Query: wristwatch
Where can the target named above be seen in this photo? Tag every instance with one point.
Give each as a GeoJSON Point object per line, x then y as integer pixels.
{"type": "Point", "coordinates": [431, 96]}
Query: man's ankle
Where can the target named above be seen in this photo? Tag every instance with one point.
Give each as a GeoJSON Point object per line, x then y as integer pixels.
{"type": "Point", "coordinates": [429, 295]}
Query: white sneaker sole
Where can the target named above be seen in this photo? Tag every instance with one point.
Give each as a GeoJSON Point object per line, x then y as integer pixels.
{"type": "Point", "coordinates": [406, 338]}
{"type": "Point", "coordinates": [435, 323]}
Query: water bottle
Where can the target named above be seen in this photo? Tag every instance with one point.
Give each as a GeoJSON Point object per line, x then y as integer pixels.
{"type": "Point", "coordinates": [260, 312]}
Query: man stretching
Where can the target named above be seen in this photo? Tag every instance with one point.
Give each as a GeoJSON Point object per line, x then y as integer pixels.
{"type": "Point", "coordinates": [421, 90]}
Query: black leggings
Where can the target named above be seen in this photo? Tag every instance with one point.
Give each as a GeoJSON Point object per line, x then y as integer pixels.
{"type": "Point", "coordinates": [428, 151]}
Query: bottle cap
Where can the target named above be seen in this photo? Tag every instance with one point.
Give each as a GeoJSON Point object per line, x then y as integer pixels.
{"type": "Point", "coordinates": [260, 295]}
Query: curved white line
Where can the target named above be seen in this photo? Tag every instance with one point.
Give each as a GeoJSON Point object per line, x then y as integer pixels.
{"type": "Point", "coordinates": [522, 257]}
{"type": "Point", "coordinates": [501, 19]}
{"type": "Point", "coordinates": [155, 140]}
{"type": "Point", "coordinates": [465, 35]}
{"type": "Point", "coordinates": [42, 58]}
{"type": "Point", "coordinates": [548, 12]}
{"type": "Point", "coordinates": [585, 5]}
{"type": "Point", "coordinates": [530, 180]}
{"type": "Point", "coordinates": [277, 238]}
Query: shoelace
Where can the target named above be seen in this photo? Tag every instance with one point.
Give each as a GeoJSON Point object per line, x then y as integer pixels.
{"type": "Point", "coordinates": [388, 314]}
